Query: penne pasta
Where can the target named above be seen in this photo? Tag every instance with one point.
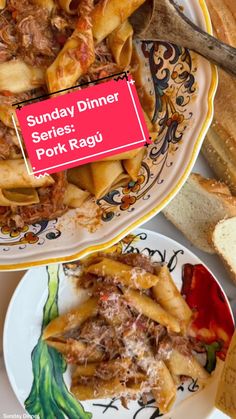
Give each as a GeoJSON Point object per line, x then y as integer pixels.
{"type": "Point", "coordinates": [110, 14]}
{"type": "Point", "coordinates": [141, 19]}
{"type": "Point", "coordinates": [47, 4]}
{"type": "Point", "coordinates": [141, 74]}
{"type": "Point", "coordinates": [6, 113]}
{"type": "Point", "coordinates": [75, 350]}
{"type": "Point", "coordinates": [2, 4]}
{"type": "Point", "coordinates": [151, 127]}
{"type": "Point", "coordinates": [122, 180]}
{"type": "Point", "coordinates": [74, 196]}
{"type": "Point", "coordinates": [14, 175]}
{"type": "Point", "coordinates": [116, 348]}
{"type": "Point", "coordinates": [136, 377]}
{"type": "Point", "coordinates": [134, 388]}
{"type": "Point", "coordinates": [70, 6]}
{"type": "Point", "coordinates": [94, 355]}
{"type": "Point", "coordinates": [152, 310]}
{"type": "Point", "coordinates": [58, 54]}
{"type": "Point", "coordinates": [123, 156]}
{"type": "Point", "coordinates": [76, 56]}
{"type": "Point", "coordinates": [14, 154]}
{"type": "Point", "coordinates": [180, 364]}
{"type": "Point", "coordinates": [121, 45]}
{"type": "Point", "coordinates": [125, 274]}
{"type": "Point", "coordinates": [89, 370]}
{"type": "Point", "coordinates": [133, 165]}
{"type": "Point", "coordinates": [16, 76]}
{"type": "Point", "coordinates": [24, 196]}
{"type": "Point", "coordinates": [164, 391]}
{"type": "Point", "coordinates": [15, 141]}
{"type": "Point", "coordinates": [168, 296]}
{"type": "Point", "coordinates": [104, 175]}
{"type": "Point", "coordinates": [72, 319]}
{"type": "Point", "coordinates": [81, 176]}
{"type": "Point", "coordinates": [103, 390]}
{"type": "Point", "coordinates": [66, 347]}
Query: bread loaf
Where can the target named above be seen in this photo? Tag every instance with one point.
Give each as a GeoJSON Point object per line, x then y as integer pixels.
{"type": "Point", "coordinates": [219, 147]}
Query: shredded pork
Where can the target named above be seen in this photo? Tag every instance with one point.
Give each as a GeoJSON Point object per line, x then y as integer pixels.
{"type": "Point", "coordinates": [30, 33]}
{"type": "Point", "coordinates": [122, 336]}
{"type": "Point", "coordinates": [51, 205]}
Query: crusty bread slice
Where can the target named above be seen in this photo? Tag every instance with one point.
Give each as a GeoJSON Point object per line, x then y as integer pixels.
{"type": "Point", "coordinates": [198, 207]}
{"type": "Point", "coordinates": [224, 242]}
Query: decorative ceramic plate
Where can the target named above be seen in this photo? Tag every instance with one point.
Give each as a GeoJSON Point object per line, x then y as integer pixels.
{"type": "Point", "coordinates": [183, 87]}
{"type": "Point", "coordinates": [38, 374]}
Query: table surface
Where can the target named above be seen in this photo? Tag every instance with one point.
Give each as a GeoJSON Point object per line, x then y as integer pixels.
{"type": "Point", "coordinates": [8, 282]}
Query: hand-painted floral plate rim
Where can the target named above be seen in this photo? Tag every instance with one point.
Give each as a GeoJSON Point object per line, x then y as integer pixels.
{"type": "Point", "coordinates": [182, 87]}
{"type": "Point", "coordinates": [38, 374]}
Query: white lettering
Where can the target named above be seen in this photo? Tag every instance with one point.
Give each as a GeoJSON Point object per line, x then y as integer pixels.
{"type": "Point", "coordinates": [50, 152]}
{"type": "Point", "coordinates": [40, 152]}
{"type": "Point", "coordinates": [31, 121]}
{"type": "Point", "coordinates": [110, 99]}
{"type": "Point", "coordinates": [90, 141]}
{"type": "Point", "coordinates": [73, 143]}
{"type": "Point", "coordinates": [71, 111]}
{"type": "Point", "coordinates": [52, 133]}
{"type": "Point", "coordinates": [55, 114]}
{"type": "Point", "coordinates": [98, 137]}
{"type": "Point", "coordinates": [82, 143]}
{"type": "Point", "coordinates": [59, 149]}
{"type": "Point", "coordinates": [68, 129]}
{"type": "Point", "coordinates": [36, 137]}
{"type": "Point", "coordinates": [60, 131]}
{"type": "Point", "coordinates": [116, 96]}
{"type": "Point", "coordinates": [48, 117]}
{"type": "Point", "coordinates": [82, 106]}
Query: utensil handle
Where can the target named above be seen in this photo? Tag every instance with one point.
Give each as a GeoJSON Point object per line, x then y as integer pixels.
{"type": "Point", "coordinates": [209, 47]}
{"type": "Point", "coordinates": [169, 24]}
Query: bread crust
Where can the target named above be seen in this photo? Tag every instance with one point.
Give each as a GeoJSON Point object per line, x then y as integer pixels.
{"type": "Point", "coordinates": [200, 233]}
{"type": "Point", "coordinates": [214, 151]}
{"type": "Point", "coordinates": [223, 15]}
{"type": "Point", "coordinates": [226, 263]}
{"type": "Point", "coordinates": [218, 188]}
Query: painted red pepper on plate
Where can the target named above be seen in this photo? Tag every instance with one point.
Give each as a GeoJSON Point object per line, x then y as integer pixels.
{"type": "Point", "coordinates": [212, 319]}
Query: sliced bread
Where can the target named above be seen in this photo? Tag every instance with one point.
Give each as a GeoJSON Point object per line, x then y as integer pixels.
{"type": "Point", "coordinates": [198, 207]}
{"type": "Point", "coordinates": [224, 242]}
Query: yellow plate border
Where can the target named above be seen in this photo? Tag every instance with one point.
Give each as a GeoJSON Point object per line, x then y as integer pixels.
{"type": "Point", "coordinates": [169, 197]}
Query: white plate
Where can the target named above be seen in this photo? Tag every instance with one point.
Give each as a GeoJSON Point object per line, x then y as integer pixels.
{"type": "Point", "coordinates": [23, 327]}
{"type": "Point", "coordinates": [185, 85]}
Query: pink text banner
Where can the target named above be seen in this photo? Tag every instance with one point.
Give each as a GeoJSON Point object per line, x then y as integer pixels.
{"type": "Point", "coordinates": [83, 126]}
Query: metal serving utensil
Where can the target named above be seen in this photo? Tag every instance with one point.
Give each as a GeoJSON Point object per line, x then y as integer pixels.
{"type": "Point", "coordinates": [164, 20]}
